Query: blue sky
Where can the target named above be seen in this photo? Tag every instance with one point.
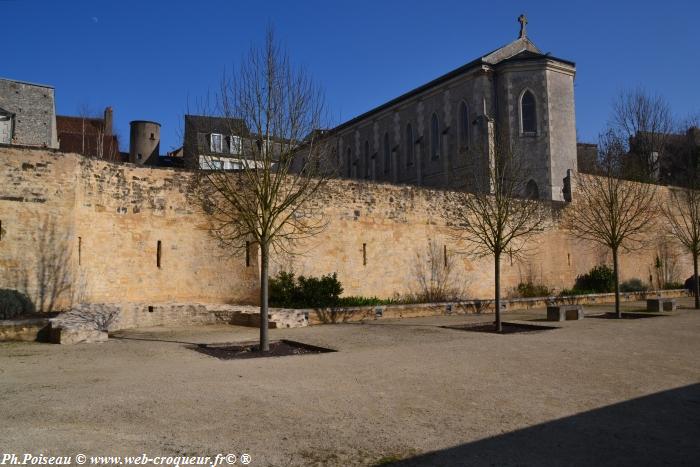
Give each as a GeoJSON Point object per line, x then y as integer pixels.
{"type": "Point", "coordinates": [147, 59]}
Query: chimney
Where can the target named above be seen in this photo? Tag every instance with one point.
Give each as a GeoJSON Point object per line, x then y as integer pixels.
{"type": "Point", "coordinates": [108, 121]}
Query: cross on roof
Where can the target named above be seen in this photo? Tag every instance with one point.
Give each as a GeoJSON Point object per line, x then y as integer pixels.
{"type": "Point", "coordinates": [523, 23]}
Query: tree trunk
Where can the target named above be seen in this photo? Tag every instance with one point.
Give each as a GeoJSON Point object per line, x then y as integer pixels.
{"type": "Point", "coordinates": [497, 271]}
{"type": "Point", "coordinates": [264, 266]}
{"type": "Point", "coordinates": [696, 286]}
{"type": "Point", "coordinates": [616, 275]}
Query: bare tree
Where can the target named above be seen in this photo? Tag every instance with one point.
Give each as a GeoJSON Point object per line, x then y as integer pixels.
{"type": "Point", "coordinates": [610, 210]}
{"type": "Point", "coordinates": [91, 134]}
{"type": "Point", "coordinates": [53, 268]}
{"type": "Point", "coordinates": [96, 140]}
{"type": "Point", "coordinates": [501, 220]}
{"type": "Point", "coordinates": [646, 125]}
{"type": "Point", "coordinates": [434, 271]}
{"type": "Point", "coordinates": [666, 264]}
{"type": "Point", "coordinates": [682, 212]}
{"type": "Point", "coordinates": [260, 195]}
{"type": "Point", "coordinates": [48, 280]}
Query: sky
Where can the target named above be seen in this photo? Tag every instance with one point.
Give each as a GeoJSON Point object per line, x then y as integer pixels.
{"type": "Point", "coordinates": [153, 59]}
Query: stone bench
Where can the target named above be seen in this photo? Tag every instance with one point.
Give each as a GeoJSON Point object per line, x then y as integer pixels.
{"type": "Point", "coordinates": [661, 304]}
{"type": "Point", "coordinates": [564, 312]}
{"type": "Point", "coordinates": [69, 336]}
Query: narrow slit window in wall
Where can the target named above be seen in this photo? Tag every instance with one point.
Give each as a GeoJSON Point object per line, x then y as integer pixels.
{"type": "Point", "coordinates": [444, 254]}
{"type": "Point", "coordinates": [247, 254]}
{"type": "Point", "coordinates": [80, 250]}
{"type": "Point", "coordinates": [158, 251]}
{"type": "Point", "coordinates": [364, 254]}
{"type": "Point", "coordinates": [0, 230]}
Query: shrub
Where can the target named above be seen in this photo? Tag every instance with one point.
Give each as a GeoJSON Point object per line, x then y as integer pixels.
{"type": "Point", "coordinates": [600, 279]}
{"type": "Point", "coordinates": [321, 292]}
{"type": "Point", "coordinates": [372, 301]}
{"type": "Point", "coordinates": [283, 290]}
{"type": "Point", "coordinates": [305, 292]}
{"type": "Point", "coordinates": [14, 303]}
{"type": "Point", "coordinates": [633, 285]}
{"type": "Point", "coordinates": [530, 290]}
{"type": "Point", "coordinates": [574, 291]}
{"type": "Point", "coordinates": [673, 286]}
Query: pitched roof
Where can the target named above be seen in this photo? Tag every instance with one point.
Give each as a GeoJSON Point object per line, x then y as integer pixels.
{"type": "Point", "coordinates": [224, 125]}
{"type": "Point", "coordinates": [509, 50]}
{"type": "Point", "coordinates": [71, 124]}
{"type": "Point", "coordinates": [520, 49]}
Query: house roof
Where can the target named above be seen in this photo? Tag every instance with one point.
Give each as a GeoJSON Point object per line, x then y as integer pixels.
{"type": "Point", "coordinates": [224, 125]}
{"type": "Point", "coordinates": [520, 49]}
{"type": "Point", "coordinates": [5, 112]}
{"type": "Point", "coordinates": [71, 124]}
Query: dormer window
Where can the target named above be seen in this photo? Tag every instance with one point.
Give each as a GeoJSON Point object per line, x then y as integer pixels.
{"type": "Point", "coordinates": [215, 142]}
{"type": "Point", "coordinates": [234, 144]}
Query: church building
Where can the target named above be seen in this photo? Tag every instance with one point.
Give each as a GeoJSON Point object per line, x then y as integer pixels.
{"type": "Point", "coordinates": [439, 134]}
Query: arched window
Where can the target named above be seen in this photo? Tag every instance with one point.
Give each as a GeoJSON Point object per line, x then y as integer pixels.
{"type": "Point", "coordinates": [463, 125]}
{"type": "Point", "coordinates": [367, 172]}
{"type": "Point", "coordinates": [434, 137]}
{"type": "Point", "coordinates": [387, 154]}
{"type": "Point", "coordinates": [531, 190]}
{"type": "Point", "coordinates": [348, 158]}
{"type": "Point", "coordinates": [528, 113]}
{"type": "Point", "coordinates": [409, 145]}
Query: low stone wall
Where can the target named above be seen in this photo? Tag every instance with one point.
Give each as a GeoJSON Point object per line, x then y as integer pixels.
{"type": "Point", "coordinates": [115, 317]}
{"type": "Point", "coordinates": [353, 314]}
{"type": "Point", "coordinates": [25, 330]}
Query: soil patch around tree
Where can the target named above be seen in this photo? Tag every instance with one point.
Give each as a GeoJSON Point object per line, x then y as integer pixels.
{"type": "Point", "coordinates": [281, 348]}
{"type": "Point", "coordinates": [508, 328]}
{"type": "Point", "coordinates": [627, 315]}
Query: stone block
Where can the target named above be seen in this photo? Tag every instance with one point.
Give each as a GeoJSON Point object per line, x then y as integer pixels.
{"type": "Point", "coordinates": [23, 329]}
{"type": "Point", "coordinates": [564, 312]}
{"type": "Point", "coordinates": [661, 304]}
{"type": "Point", "coordinates": [70, 336]}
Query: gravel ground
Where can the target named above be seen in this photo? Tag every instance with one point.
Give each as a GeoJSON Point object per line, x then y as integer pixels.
{"type": "Point", "coordinates": [593, 392]}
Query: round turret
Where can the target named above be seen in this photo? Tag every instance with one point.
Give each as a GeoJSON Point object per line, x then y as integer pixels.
{"type": "Point", "coordinates": [144, 142]}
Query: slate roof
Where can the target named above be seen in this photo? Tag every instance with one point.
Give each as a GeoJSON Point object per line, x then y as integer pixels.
{"type": "Point", "coordinates": [520, 49]}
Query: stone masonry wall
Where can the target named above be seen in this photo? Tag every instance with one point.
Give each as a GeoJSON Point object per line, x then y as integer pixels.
{"type": "Point", "coordinates": [99, 224]}
{"type": "Point", "coordinates": [108, 219]}
{"type": "Point", "coordinates": [34, 109]}
{"type": "Point", "coordinates": [378, 236]}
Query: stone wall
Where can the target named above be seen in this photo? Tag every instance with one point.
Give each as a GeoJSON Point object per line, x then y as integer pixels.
{"type": "Point", "coordinates": [107, 219]}
{"type": "Point", "coordinates": [378, 236]}
{"type": "Point", "coordinates": [35, 112]}
{"type": "Point", "coordinates": [97, 226]}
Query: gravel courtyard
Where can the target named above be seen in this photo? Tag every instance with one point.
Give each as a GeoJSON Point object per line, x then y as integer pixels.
{"type": "Point", "coordinates": [592, 392]}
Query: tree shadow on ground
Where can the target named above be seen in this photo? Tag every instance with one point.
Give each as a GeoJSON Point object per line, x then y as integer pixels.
{"type": "Point", "coordinates": [660, 429]}
{"type": "Point", "coordinates": [151, 339]}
